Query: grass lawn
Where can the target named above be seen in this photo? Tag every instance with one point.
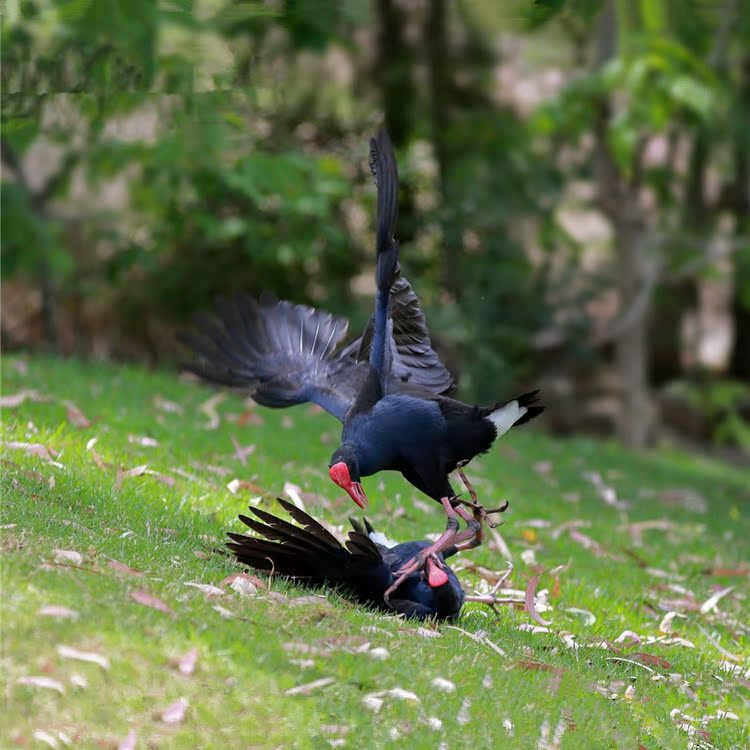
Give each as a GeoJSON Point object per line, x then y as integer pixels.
{"type": "Point", "coordinates": [107, 643]}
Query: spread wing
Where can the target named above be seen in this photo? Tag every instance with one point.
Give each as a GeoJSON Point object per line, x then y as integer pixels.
{"type": "Point", "coordinates": [283, 353]}
{"type": "Point", "coordinates": [413, 360]}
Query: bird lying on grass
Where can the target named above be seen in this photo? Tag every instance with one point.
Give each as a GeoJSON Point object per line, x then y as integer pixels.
{"type": "Point", "coordinates": [364, 569]}
{"type": "Point", "coordinates": [387, 387]}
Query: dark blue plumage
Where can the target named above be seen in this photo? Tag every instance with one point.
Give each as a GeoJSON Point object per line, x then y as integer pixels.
{"type": "Point", "coordinates": [388, 387]}
{"type": "Point", "coordinates": [363, 569]}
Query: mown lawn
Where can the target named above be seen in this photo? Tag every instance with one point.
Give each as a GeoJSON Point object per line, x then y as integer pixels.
{"type": "Point", "coordinates": [89, 540]}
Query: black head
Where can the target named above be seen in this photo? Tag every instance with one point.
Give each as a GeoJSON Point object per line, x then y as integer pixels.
{"type": "Point", "coordinates": [344, 471]}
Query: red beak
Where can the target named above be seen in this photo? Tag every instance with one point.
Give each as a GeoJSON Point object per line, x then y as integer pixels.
{"type": "Point", "coordinates": [436, 577]}
{"type": "Point", "coordinates": [339, 473]}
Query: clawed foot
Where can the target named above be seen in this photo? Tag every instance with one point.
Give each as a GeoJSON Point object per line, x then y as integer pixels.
{"type": "Point", "coordinates": [481, 513]}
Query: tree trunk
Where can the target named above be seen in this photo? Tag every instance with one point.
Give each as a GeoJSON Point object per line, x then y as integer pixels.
{"type": "Point", "coordinates": [631, 345]}
{"type": "Point", "coordinates": [618, 198]}
{"type": "Point", "coordinates": [436, 41]}
{"type": "Point", "coordinates": [394, 69]}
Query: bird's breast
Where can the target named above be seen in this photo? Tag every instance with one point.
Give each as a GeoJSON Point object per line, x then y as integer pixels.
{"type": "Point", "coordinates": [391, 430]}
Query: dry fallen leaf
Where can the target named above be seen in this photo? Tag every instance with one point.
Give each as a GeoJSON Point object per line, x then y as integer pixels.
{"type": "Point", "coordinates": [375, 701]}
{"type": "Point", "coordinates": [16, 399]}
{"type": "Point", "coordinates": [40, 735]}
{"type": "Point", "coordinates": [167, 406]}
{"type": "Point", "coordinates": [67, 555]}
{"type": "Point", "coordinates": [712, 601]}
{"type": "Point", "coordinates": [529, 600]}
{"type": "Point", "coordinates": [75, 416]}
{"type": "Point", "coordinates": [244, 587]}
{"type": "Point", "coordinates": [134, 472]}
{"type": "Point", "coordinates": [175, 713]}
{"type": "Point", "coordinates": [445, 686]}
{"type": "Point", "coordinates": [186, 663]}
{"type": "Point", "coordinates": [588, 543]}
{"type": "Point", "coordinates": [463, 713]}
{"type": "Point", "coordinates": [48, 683]}
{"type": "Point", "coordinates": [310, 687]}
{"type": "Point", "coordinates": [143, 440]}
{"type": "Point", "coordinates": [122, 568]}
{"type": "Point", "coordinates": [241, 453]}
{"type": "Point", "coordinates": [88, 656]}
{"type": "Point", "coordinates": [129, 741]}
{"type": "Point", "coordinates": [665, 626]}
{"type": "Point", "coordinates": [251, 580]}
{"type": "Point", "coordinates": [33, 449]}
{"type": "Point", "coordinates": [149, 600]}
{"type": "Point", "coordinates": [294, 493]}
{"type": "Point", "coordinates": [52, 610]}
{"type": "Point", "coordinates": [209, 409]}
{"type": "Point", "coordinates": [538, 665]}
{"type": "Point", "coordinates": [650, 659]}
{"type": "Point", "coordinates": [207, 588]}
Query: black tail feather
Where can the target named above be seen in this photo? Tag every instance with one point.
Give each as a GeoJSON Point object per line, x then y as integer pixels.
{"type": "Point", "coordinates": [309, 551]}
{"type": "Point", "coordinates": [529, 400]}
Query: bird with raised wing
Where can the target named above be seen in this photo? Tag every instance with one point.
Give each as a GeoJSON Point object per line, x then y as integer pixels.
{"type": "Point", "coordinates": [388, 387]}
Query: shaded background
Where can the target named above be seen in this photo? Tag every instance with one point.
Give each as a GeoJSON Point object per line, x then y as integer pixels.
{"type": "Point", "coordinates": [575, 186]}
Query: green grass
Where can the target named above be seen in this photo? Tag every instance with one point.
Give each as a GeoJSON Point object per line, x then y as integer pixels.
{"type": "Point", "coordinates": [236, 694]}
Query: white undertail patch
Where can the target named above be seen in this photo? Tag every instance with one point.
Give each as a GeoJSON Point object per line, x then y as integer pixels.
{"type": "Point", "coordinates": [380, 538]}
{"type": "Point", "coordinates": [506, 416]}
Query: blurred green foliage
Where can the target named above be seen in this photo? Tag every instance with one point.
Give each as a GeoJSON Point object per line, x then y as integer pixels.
{"type": "Point", "coordinates": [159, 153]}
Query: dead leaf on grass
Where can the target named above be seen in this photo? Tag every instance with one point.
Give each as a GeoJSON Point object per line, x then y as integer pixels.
{"type": "Point", "coordinates": [47, 683]}
{"type": "Point", "coordinates": [665, 626]}
{"type": "Point", "coordinates": [244, 584]}
{"type": "Point", "coordinates": [443, 685]}
{"type": "Point", "coordinates": [588, 543]}
{"type": "Point", "coordinates": [67, 652]}
{"type": "Point", "coordinates": [294, 493]}
{"type": "Point", "coordinates": [149, 600]}
{"type": "Point", "coordinates": [53, 610]}
{"type": "Point", "coordinates": [136, 471]}
{"type": "Point", "coordinates": [710, 603]}
{"type": "Point", "coordinates": [541, 666]}
{"type": "Point", "coordinates": [129, 741]}
{"type": "Point", "coordinates": [75, 416]}
{"type": "Point", "coordinates": [46, 738]}
{"type": "Point", "coordinates": [143, 440]}
{"type": "Point", "coordinates": [67, 555]}
{"type": "Point", "coordinates": [186, 664]}
{"type": "Point", "coordinates": [122, 568]}
{"type": "Point", "coordinates": [310, 687]}
{"type": "Point", "coordinates": [241, 453]}
{"type": "Point", "coordinates": [529, 600]}
{"type": "Point", "coordinates": [33, 449]}
{"type": "Point", "coordinates": [209, 409]}
{"type": "Point", "coordinates": [375, 701]}
{"type": "Point", "coordinates": [207, 588]}
{"type": "Point", "coordinates": [253, 580]}
{"type": "Point", "coordinates": [168, 406]}
{"type": "Point", "coordinates": [16, 399]}
{"type": "Point", "coordinates": [175, 712]}
{"type": "Point", "coordinates": [650, 659]}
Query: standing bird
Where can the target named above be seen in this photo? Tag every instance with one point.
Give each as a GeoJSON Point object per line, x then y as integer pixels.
{"type": "Point", "coordinates": [363, 569]}
{"type": "Point", "coordinates": [388, 387]}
